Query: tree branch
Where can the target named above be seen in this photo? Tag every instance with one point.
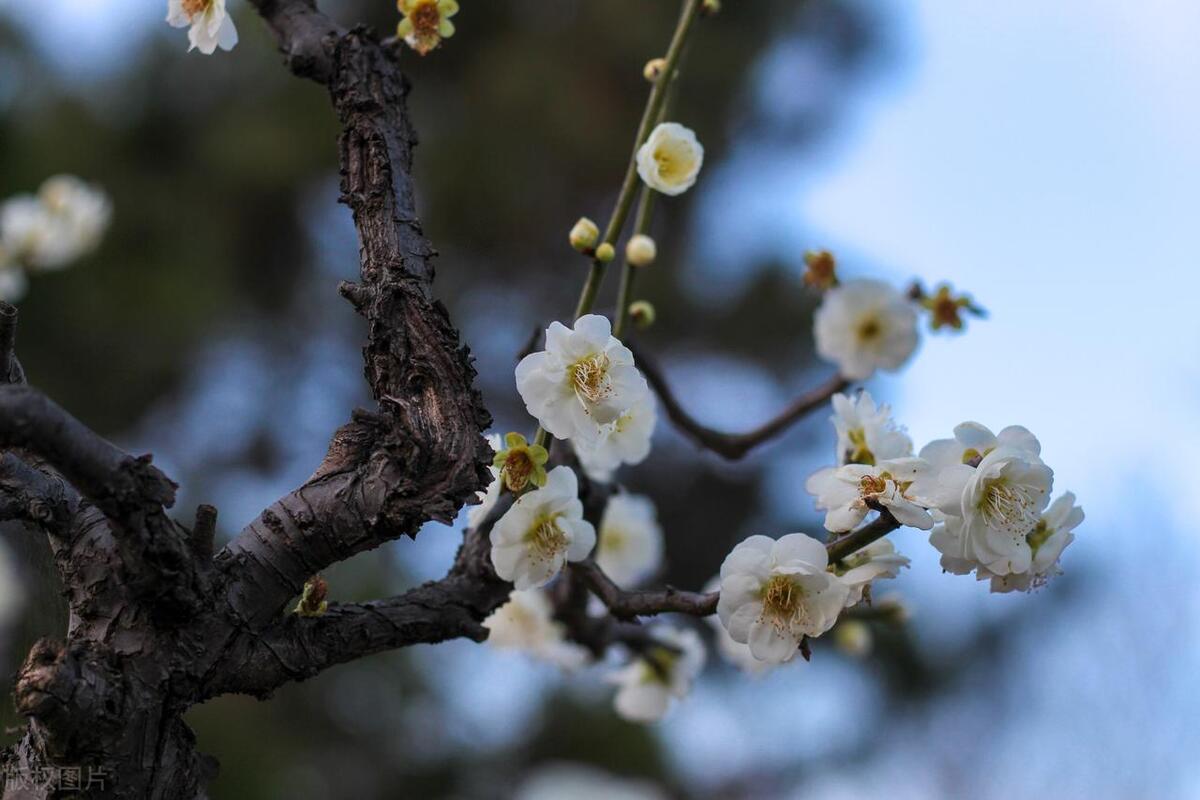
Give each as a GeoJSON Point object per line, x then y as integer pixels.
{"type": "Point", "coordinates": [627, 605]}
{"type": "Point", "coordinates": [734, 446]}
{"type": "Point", "coordinates": [303, 33]}
{"type": "Point", "coordinates": [854, 541]}
{"type": "Point", "coordinates": [421, 455]}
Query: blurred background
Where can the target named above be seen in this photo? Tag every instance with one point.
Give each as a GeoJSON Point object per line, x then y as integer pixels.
{"type": "Point", "coordinates": [1041, 156]}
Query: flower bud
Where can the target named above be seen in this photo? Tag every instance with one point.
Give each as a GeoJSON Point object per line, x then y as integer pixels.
{"type": "Point", "coordinates": [821, 269]}
{"type": "Point", "coordinates": [605, 253]}
{"type": "Point", "coordinates": [642, 313]}
{"type": "Point", "coordinates": [654, 69]}
{"type": "Point", "coordinates": [853, 638]}
{"type": "Point", "coordinates": [312, 601]}
{"type": "Point", "coordinates": [584, 235]}
{"type": "Point", "coordinates": [640, 250]}
{"type": "Point", "coordinates": [710, 7]}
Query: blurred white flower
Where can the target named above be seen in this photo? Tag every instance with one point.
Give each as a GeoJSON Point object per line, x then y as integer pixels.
{"type": "Point", "coordinates": [487, 499]}
{"type": "Point", "coordinates": [583, 380]}
{"type": "Point", "coordinates": [625, 440]}
{"type": "Point", "coordinates": [659, 674]}
{"type": "Point", "coordinates": [775, 593]}
{"type": "Point", "coordinates": [65, 221]}
{"type": "Point", "coordinates": [543, 530]}
{"type": "Point", "coordinates": [865, 325]}
{"type": "Point", "coordinates": [847, 493]}
{"type": "Point", "coordinates": [854, 638]}
{"type": "Point", "coordinates": [863, 567]}
{"type": "Point", "coordinates": [670, 160]}
{"type": "Point", "coordinates": [526, 622]}
{"type": "Point", "coordinates": [577, 782]}
{"type": "Point", "coordinates": [630, 541]}
{"type": "Point", "coordinates": [211, 26]}
{"type": "Point", "coordinates": [866, 433]}
{"type": "Point", "coordinates": [991, 509]}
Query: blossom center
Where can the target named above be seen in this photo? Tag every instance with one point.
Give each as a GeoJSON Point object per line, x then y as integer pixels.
{"type": "Point", "coordinates": [659, 663]}
{"type": "Point", "coordinates": [872, 484]}
{"type": "Point", "coordinates": [860, 454]}
{"type": "Point", "coordinates": [1039, 535]}
{"type": "Point", "coordinates": [869, 330]}
{"type": "Point", "coordinates": [783, 601]}
{"type": "Point", "coordinates": [546, 539]}
{"type": "Point", "coordinates": [589, 376]}
{"type": "Point", "coordinates": [1009, 508]}
{"type": "Point", "coordinates": [425, 19]}
{"type": "Point", "coordinates": [518, 468]}
{"type": "Point", "coordinates": [612, 539]}
{"type": "Point", "coordinates": [194, 7]}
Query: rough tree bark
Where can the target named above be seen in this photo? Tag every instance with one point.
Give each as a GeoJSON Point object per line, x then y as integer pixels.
{"type": "Point", "coordinates": [157, 623]}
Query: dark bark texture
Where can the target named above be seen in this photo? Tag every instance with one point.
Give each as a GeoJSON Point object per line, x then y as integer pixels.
{"type": "Point", "coordinates": [158, 622]}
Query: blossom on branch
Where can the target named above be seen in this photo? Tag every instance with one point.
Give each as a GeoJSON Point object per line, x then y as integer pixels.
{"type": "Point", "coordinates": [865, 325]}
{"type": "Point", "coordinates": [426, 23]}
{"type": "Point", "coordinates": [861, 569]}
{"type": "Point", "coordinates": [658, 675]}
{"type": "Point", "coordinates": [866, 433]}
{"type": "Point", "coordinates": [629, 545]}
{"type": "Point", "coordinates": [625, 440]}
{"type": "Point", "coordinates": [775, 593]}
{"type": "Point", "coordinates": [670, 160]}
{"type": "Point", "coordinates": [526, 622]}
{"type": "Point", "coordinates": [583, 380]}
{"type": "Point", "coordinates": [209, 25]}
{"type": "Point", "coordinates": [543, 530]}
{"type": "Point", "coordinates": [849, 493]}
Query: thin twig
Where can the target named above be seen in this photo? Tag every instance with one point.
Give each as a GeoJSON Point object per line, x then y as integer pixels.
{"type": "Point", "coordinates": [626, 605]}
{"type": "Point", "coordinates": [734, 446]}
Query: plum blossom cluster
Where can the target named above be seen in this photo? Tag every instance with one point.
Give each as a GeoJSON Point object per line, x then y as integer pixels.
{"type": "Point", "coordinates": [64, 221]}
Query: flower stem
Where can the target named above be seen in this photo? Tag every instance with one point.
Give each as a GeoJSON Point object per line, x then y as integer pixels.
{"type": "Point", "coordinates": [641, 225]}
{"type": "Point", "coordinates": [654, 107]}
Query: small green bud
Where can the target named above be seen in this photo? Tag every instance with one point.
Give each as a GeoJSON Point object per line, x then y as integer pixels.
{"type": "Point", "coordinates": [853, 638]}
{"type": "Point", "coordinates": [312, 600]}
{"type": "Point", "coordinates": [710, 7]}
{"type": "Point", "coordinates": [605, 253]}
{"type": "Point", "coordinates": [584, 235]}
{"type": "Point", "coordinates": [642, 313]}
{"type": "Point", "coordinates": [640, 250]}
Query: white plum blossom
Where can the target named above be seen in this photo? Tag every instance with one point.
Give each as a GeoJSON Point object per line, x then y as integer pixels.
{"type": "Point", "coordinates": [65, 221]}
{"type": "Point", "coordinates": [543, 530]}
{"type": "Point", "coordinates": [991, 509]}
{"type": "Point", "coordinates": [670, 159]}
{"type": "Point", "coordinates": [625, 440]}
{"type": "Point", "coordinates": [487, 499]}
{"type": "Point", "coordinates": [629, 543]}
{"type": "Point", "coordinates": [775, 593]}
{"type": "Point", "coordinates": [862, 568]}
{"type": "Point", "coordinates": [209, 24]}
{"type": "Point", "coordinates": [583, 380]}
{"type": "Point", "coordinates": [848, 493]}
{"type": "Point", "coordinates": [973, 441]}
{"type": "Point", "coordinates": [736, 653]}
{"type": "Point", "coordinates": [657, 675]}
{"type": "Point", "coordinates": [526, 622]}
{"type": "Point", "coordinates": [1046, 541]}
{"type": "Point", "coordinates": [865, 325]}
{"type": "Point", "coordinates": [576, 782]}
{"type": "Point", "coordinates": [866, 433]}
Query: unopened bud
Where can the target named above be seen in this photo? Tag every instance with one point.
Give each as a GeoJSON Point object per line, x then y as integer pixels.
{"type": "Point", "coordinates": [584, 235]}
{"type": "Point", "coordinates": [853, 638]}
{"type": "Point", "coordinates": [654, 69]}
{"type": "Point", "coordinates": [710, 7]}
{"type": "Point", "coordinates": [312, 600]}
{"type": "Point", "coordinates": [642, 313]}
{"type": "Point", "coordinates": [640, 250]}
{"type": "Point", "coordinates": [605, 253]}
{"type": "Point", "coordinates": [821, 269]}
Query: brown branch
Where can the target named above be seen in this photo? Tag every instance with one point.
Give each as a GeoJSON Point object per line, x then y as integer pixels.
{"type": "Point", "coordinates": [420, 455]}
{"type": "Point", "coordinates": [856, 540]}
{"type": "Point", "coordinates": [734, 446]}
{"type": "Point", "coordinates": [627, 605]}
{"type": "Point", "coordinates": [10, 367]}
